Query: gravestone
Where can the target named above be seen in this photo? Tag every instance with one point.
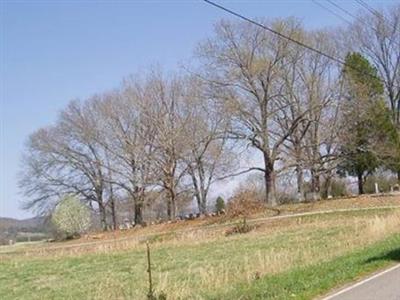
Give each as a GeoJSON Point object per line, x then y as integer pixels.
{"type": "Point", "coordinates": [376, 188]}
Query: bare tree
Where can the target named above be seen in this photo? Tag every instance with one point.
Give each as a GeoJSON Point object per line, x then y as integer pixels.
{"type": "Point", "coordinates": [318, 76]}
{"type": "Point", "coordinates": [162, 112]}
{"type": "Point", "coordinates": [125, 138]}
{"type": "Point", "coordinates": [379, 40]}
{"type": "Point", "coordinates": [207, 155]}
{"type": "Point", "coordinates": [66, 159]}
{"type": "Point", "coordinates": [245, 64]}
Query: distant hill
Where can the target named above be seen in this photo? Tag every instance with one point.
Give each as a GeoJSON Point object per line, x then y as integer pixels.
{"type": "Point", "coordinates": [31, 223]}
{"type": "Point", "coordinates": [12, 229]}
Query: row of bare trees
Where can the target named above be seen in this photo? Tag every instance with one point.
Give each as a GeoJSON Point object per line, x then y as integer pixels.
{"type": "Point", "coordinates": [175, 136]}
{"type": "Point", "coordinates": [153, 134]}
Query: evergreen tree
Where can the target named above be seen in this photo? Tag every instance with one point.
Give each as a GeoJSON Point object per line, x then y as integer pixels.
{"type": "Point", "coordinates": [219, 204]}
{"type": "Point", "coordinates": [367, 129]}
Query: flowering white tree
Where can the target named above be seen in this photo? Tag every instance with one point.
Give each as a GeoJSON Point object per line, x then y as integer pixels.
{"type": "Point", "coordinates": [71, 216]}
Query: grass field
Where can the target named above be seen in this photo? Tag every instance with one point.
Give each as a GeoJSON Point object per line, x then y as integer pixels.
{"type": "Point", "coordinates": [299, 257]}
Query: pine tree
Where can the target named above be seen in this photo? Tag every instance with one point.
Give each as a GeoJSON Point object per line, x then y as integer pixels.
{"type": "Point", "coordinates": [366, 120]}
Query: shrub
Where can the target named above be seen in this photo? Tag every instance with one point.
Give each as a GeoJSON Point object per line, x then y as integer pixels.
{"type": "Point", "coordinates": [384, 183]}
{"type": "Point", "coordinates": [338, 188]}
{"type": "Point", "coordinates": [219, 205]}
{"type": "Point", "coordinates": [30, 237]}
{"type": "Point", "coordinates": [244, 203]}
{"type": "Point", "coordinates": [286, 197]}
{"type": "Point", "coordinates": [239, 228]}
{"type": "Point", "coordinates": [71, 217]}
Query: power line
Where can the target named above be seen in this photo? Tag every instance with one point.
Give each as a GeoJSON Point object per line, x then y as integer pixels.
{"type": "Point", "coordinates": [341, 8]}
{"type": "Point", "coordinates": [376, 13]}
{"type": "Point", "coordinates": [369, 8]}
{"type": "Point", "coordinates": [275, 32]}
{"type": "Point", "coordinates": [281, 35]}
{"type": "Point", "coordinates": [351, 15]}
{"type": "Point", "coordinates": [331, 11]}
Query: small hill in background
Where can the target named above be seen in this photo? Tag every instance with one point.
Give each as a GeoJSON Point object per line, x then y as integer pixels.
{"type": "Point", "coordinates": [31, 229]}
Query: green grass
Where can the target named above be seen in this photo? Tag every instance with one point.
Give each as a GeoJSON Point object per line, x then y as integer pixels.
{"type": "Point", "coordinates": [303, 258]}
{"type": "Point", "coordinates": [317, 279]}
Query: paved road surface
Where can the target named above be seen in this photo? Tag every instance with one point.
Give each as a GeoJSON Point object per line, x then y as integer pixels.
{"type": "Point", "coordinates": [382, 286]}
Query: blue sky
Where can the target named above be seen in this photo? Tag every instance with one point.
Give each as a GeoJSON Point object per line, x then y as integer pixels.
{"type": "Point", "coordinates": [55, 51]}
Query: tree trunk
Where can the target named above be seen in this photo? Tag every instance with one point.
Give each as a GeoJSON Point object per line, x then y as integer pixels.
{"type": "Point", "coordinates": [327, 190]}
{"type": "Point", "coordinates": [138, 212]}
{"type": "Point", "coordinates": [169, 209]}
{"type": "Point", "coordinates": [269, 176]}
{"type": "Point", "coordinates": [300, 191]}
{"type": "Point", "coordinates": [113, 213]}
{"type": "Point", "coordinates": [315, 185]}
{"type": "Point", "coordinates": [171, 205]}
{"type": "Point", "coordinates": [112, 204]}
{"type": "Point", "coordinates": [398, 176]}
{"type": "Point", "coordinates": [199, 203]}
{"type": "Point", "coordinates": [200, 194]}
{"type": "Point", "coordinates": [139, 199]}
{"type": "Point", "coordinates": [360, 183]}
{"type": "Point", "coordinates": [202, 207]}
{"type": "Point", "coordinates": [103, 216]}
{"type": "Point", "coordinates": [202, 201]}
{"type": "Point", "coordinates": [173, 208]}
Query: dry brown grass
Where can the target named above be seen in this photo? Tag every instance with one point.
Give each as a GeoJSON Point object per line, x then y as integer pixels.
{"type": "Point", "coordinates": [199, 231]}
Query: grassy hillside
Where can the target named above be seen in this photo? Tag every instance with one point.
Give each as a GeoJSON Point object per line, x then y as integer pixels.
{"type": "Point", "coordinates": [298, 258]}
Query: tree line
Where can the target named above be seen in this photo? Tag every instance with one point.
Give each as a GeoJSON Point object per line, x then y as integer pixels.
{"type": "Point", "coordinates": [170, 137]}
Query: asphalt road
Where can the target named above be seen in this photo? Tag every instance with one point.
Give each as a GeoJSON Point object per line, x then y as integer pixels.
{"type": "Point", "coordinates": [381, 286]}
